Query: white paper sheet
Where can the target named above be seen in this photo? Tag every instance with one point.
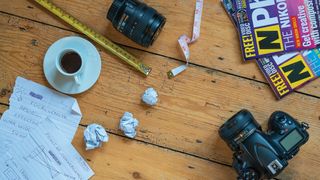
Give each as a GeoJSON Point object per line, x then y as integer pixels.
{"type": "Point", "coordinates": [29, 88]}
{"type": "Point", "coordinates": [30, 104]}
{"type": "Point", "coordinates": [38, 100]}
{"type": "Point", "coordinates": [36, 134]}
{"type": "Point", "coordinates": [44, 154]}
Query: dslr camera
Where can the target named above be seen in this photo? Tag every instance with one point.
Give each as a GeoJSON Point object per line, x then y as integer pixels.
{"type": "Point", "coordinates": [259, 155]}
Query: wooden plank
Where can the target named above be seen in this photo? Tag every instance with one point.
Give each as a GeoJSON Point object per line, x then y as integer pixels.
{"type": "Point", "coordinates": [122, 158]}
{"type": "Point", "coordinates": [191, 107]}
{"type": "Point", "coordinates": [217, 47]}
{"type": "Point", "coordinates": [2, 109]}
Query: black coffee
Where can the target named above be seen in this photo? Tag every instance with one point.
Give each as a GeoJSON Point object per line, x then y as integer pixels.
{"type": "Point", "coordinates": [71, 62]}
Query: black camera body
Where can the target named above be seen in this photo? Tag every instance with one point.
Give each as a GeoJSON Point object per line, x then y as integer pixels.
{"type": "Point", "coordinates": [263, 155]}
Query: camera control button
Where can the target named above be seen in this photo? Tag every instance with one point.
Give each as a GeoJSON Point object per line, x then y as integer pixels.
{"type": "Point", "coordinates": [282, 119]}
{"type": "Point", "coordinates": [282, 131]}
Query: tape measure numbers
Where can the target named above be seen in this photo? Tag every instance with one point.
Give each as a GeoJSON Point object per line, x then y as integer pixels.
{"type": "Point", "coordinates": [98, 38]}
{"type": "Point", "coordinates": [184, 40]}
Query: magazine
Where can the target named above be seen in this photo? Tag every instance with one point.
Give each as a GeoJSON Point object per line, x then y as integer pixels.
{"type": "Point", "coordinates": [268, 27]}
{"type": "Point", "coordinates": [288, 71]}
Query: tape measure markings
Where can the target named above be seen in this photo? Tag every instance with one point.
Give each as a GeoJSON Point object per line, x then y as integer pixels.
{"type": "Point", "coordinates": [98, 38]}
{"type": "Point", "coordinates": [184, 40]}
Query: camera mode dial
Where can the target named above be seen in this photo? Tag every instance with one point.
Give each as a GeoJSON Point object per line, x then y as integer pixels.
{"type": "Point", "coordinates": [280, 122]}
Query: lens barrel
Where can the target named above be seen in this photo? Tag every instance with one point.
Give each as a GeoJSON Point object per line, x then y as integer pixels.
{"type": "Point", "coordinates": [243, 120]}
{"type": "Point", "coordinates": [136, 20]}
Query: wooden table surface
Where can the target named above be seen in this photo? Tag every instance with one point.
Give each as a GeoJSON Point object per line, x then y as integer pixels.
{"type": "Point", "coordinates": [178, 138]}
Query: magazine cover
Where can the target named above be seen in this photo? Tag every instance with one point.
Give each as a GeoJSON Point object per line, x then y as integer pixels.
{"type": "Point", "coordinates": [268, 27]}
{"type": "Point", "coordinates": [290, 71]}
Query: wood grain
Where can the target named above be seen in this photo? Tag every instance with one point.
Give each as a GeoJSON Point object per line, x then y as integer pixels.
{"type": "Point", "coordinates": [191, 107]}
{"type": "Point", "coordinates": [217, 47]}
{"type": "Point", "coordinates": [2, 109]}
{"type": "Point", "coordinates": [121, 158]}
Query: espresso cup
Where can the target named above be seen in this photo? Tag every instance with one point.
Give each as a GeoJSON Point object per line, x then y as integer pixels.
{"type": "Point", "coordinates": [70, 64]}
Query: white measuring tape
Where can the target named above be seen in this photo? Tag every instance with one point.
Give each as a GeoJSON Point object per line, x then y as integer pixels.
{"type": "Point", "coordinates": [184, 40]}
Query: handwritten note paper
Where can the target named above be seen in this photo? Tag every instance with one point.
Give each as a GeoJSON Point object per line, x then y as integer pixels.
{"type": "Point", "coordinates": [44, 155]}
{"type": "Point", "coordinates": [36, 134]}
{"type": "Point", "coordinates": [30, 96]}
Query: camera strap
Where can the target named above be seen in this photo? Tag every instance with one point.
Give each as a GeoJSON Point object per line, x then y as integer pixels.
{"type": "Point", "coordinates": [184, 40]}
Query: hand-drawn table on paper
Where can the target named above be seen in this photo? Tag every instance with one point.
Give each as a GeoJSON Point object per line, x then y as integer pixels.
{"type": "Point", "coordinates": [178, 138]}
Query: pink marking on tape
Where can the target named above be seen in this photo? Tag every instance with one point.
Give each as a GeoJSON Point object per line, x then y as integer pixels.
{"type": "Point", "coordinates": [184, 40]}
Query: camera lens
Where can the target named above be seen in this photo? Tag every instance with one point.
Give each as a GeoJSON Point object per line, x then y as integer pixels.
{"type": "Point", "coordinates": [235, 125]}
{"type": "Point", "coordinates": [136, 20]}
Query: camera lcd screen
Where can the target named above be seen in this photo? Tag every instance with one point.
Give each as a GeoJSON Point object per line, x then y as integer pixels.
{"type": "Point", "coordinates": [291, 139]}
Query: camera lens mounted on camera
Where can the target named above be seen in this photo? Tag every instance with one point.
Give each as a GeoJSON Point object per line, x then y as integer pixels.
{"type": "Point", "coordinates": [237, 128]}
{"type": "Point", "coordinates": [136, 20]}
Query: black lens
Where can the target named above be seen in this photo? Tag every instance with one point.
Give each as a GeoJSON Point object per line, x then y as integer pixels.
{"type": "Point", "coordinates": [235, 125]}
{"type": "Point", "coordinates": [136, 20]}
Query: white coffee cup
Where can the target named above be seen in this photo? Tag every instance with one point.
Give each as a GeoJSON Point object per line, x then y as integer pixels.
{"type": "Point", "coordinates": [70, 63]}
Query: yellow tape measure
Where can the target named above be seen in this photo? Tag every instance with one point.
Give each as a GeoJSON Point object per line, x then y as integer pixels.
{"type": "Point", "coordinates": [98, 38]}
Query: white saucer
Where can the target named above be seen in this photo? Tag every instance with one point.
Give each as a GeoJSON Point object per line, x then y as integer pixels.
{"type": "Point", "coordinates": [91, 71]}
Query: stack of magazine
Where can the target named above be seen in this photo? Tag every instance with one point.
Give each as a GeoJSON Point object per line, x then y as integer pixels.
{"type": "Point", "coordinates": [283, 36]}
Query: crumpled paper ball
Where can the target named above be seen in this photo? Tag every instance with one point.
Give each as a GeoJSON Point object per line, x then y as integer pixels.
{"type": "Point", "coordinates": [94, 135]}
{"type": "Point", "coordinates": [150, 97]}
{"type": "Point", "coordinates": [128, 125]}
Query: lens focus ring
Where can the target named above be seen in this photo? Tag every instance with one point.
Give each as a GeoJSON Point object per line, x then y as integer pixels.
{"type": "Point", "coordinates": [113, 10]}
{"type": "Point", "coordinates": [136, 20]}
